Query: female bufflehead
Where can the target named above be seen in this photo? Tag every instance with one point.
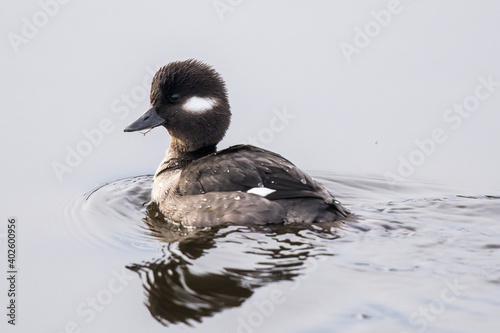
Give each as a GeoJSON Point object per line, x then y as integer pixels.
{"type": "Point", "coordinates": [195, 185]}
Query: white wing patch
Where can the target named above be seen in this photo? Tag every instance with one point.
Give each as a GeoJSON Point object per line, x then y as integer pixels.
{"type": "Point", "coordinates": [199, 104]}
{"type": "Point", "coordinates": [262, 191]}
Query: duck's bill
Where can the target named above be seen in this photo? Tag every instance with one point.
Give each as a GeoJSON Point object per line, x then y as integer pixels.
{"type": "Point", "coordinates": [149, 119]}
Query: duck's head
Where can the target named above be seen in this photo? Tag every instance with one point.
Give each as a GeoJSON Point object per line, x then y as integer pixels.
{"type": "Point", "coordinates": [189, 99]}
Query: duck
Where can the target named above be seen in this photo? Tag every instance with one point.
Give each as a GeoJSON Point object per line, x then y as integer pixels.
{"type": "Point", "coordinates": [198, 186]}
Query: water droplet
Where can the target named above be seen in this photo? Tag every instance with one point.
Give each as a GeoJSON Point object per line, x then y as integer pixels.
{"type": "Point", "coordinates": [204, 199]}
{"type": "Point", "coordinates": [260, 185]}
{"type": "Point", "coordinates": [303, 181]}
{"type": "Point", "coordinates": [237, 197]}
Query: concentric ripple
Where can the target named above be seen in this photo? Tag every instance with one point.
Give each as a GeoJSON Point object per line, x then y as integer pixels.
{"type": "Point", "coordinates": [111, 215]}
{"type": "Point", "coordinates": [407, 234]}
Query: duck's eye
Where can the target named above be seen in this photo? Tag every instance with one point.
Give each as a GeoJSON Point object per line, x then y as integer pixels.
{"type": "Point", "coordinates": [174, 97]}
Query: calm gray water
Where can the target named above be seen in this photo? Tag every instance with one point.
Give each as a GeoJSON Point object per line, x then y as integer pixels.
{"type": "Point", "coordinates": [419, 257]}
{"type": "Point", "coordinates": [415, 258]}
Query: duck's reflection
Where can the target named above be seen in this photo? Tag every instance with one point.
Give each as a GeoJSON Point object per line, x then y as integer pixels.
{"type": "Point", "coordinates": [179, 291]}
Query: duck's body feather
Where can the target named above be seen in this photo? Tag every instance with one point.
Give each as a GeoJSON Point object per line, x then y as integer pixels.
{"type": "Point", "coordinates": [217, 186]}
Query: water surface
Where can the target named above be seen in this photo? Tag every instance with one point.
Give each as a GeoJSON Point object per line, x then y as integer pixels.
{"type": "Point", "coordinates": [412, 258]}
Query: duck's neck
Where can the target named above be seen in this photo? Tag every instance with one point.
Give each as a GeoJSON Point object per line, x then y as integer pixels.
{"type": "Point", "coordinates": [174, 153]}
{"type": "Point", "coordinates": [177, 159]}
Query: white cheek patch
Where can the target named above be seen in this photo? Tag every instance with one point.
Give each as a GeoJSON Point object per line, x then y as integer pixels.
{"type": "Point", "coordinates": [262, 191]}
{"type": "Point", "coordinates": [199, 104]}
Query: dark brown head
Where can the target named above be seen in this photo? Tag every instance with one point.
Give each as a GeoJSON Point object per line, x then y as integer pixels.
{"type": "Point", "coordinates": [189, 99]}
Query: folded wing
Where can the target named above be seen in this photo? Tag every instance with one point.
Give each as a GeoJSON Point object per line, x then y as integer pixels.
{"type": "Point", "coordinates": [244, 168]}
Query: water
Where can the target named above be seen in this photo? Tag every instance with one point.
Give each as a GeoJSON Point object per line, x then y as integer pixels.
{"type": "Point", "coordinates": [418, 257]}
{"type": "Point", "coordinates": [97, 266]}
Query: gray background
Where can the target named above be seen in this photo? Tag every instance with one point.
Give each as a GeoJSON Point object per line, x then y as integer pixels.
{"type": "Point", "coordinates": [353, 118]}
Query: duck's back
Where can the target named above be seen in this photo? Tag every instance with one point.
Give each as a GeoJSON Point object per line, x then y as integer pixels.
{"type": "Point", "coordinates": [257, 178]}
